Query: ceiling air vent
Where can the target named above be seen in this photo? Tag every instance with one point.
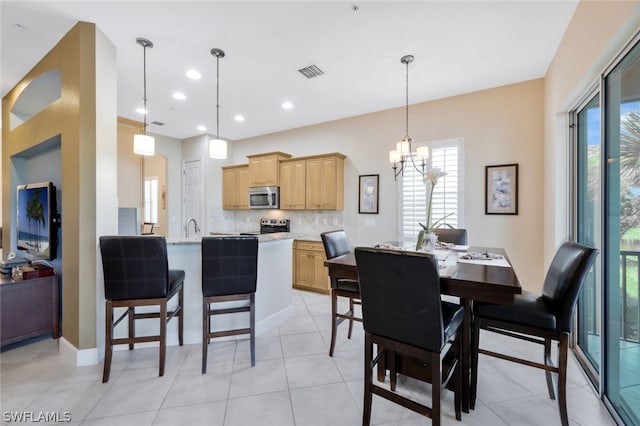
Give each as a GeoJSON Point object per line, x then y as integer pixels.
{"type": "Point", "coordinates": [157, 123]}
{"type": "Point", "coordinates": [311, 71]}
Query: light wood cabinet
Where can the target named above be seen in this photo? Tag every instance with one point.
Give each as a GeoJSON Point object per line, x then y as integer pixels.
{"type": "Point", "coordinates": [293, 184]}
{"type": "Point", "coordinates": [309, 272]}
{"type": "Point", "coordinates": [129, 165]}
{"type": "Point", "coordinates": [235, 187]}
{"type": "Point", "coordinates": [264, 169]}
{"type": "Point", "coordinates": [325, 182]}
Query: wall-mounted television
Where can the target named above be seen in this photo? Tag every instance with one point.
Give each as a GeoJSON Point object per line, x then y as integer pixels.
{"type": "Point", "coordinates": [37, 218]}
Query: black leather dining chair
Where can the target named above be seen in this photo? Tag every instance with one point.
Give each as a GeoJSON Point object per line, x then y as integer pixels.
{"type": "Point", "coordinates": [406, 320]}
{"type": "Point", "coordinates": [229, 273]}
{"type": "Point", "coordinates": [336, 244]}
{"type": "Point", "coordinates": [136, 273]}
{"type": "Point", "coordinates": [539, 318]}
{"type": "Point", "coordinates": [457, 236]}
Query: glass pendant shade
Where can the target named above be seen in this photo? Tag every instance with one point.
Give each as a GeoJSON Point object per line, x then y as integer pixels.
{"type": "Point", "coordinates": [394, 156]}
{"type": "Point", "coordinates": [403, 147]}
{"type": "Point", "coordinates": [218, 149]}
{"type": "Point", "coordinates": [144, 145]}
{"type": "Point", "coordinates": [422, 152]}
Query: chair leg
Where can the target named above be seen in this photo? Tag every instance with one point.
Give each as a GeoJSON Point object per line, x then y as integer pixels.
{"type": "Point", "coordinates": [436, 387]}
{"type": "Point", "coordinates": [108, 346]}
{"type": "Point", "coordinates": [334, 321]}
{"type": "Point", "coordinates": [205, 333]}
{"type": "Point", "coordinates": [163, 336]}
{"type": "Point", "coordinates": [474, 363]}
{"type": "Point", "coordinates": [181, 316]}
{"type": "Point", "coordinates": [368, 372]}
{"type": "Point", "coordinates": [457, 396]}
{"type": "Point", "coordinates": [132, 325]}
{"type": "Point", "coordinates": [252, 334]}
{"type": "Point", "coordinates": [393, 374]}
{"type": "Point", "coordinates": [562, 379]}
{"type": "Point", "coordinates": [548, 374]}
{"type": "Point", "coordinates": [350, 320]}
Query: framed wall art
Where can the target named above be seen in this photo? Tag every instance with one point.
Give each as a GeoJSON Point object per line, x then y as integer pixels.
{"type": "Point", "coordinates": [501, 189]}
{"type": "Point", "coordinates": [368, 194]}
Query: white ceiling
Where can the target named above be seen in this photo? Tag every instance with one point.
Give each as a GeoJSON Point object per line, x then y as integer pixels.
{"type": "Point", "coordinates": [459, 47]}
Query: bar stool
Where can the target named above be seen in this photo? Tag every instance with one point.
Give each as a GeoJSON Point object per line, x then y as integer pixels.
{"type": "Point", "coordinates": [229, 273]}
{"type": "Point", "coordinates": [136, 273]}
{"type": "Point", "coordinates": [336, 244]}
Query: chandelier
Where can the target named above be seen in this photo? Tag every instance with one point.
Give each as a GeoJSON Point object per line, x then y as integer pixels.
{"type": "Point", "coordinates": [400, 156]}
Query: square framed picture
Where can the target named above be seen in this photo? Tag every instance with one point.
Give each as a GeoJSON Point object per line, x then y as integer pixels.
{"type": "Point", "coordinates": [368, 194]}
{"type": "Point", "coordinates": [501, 189]}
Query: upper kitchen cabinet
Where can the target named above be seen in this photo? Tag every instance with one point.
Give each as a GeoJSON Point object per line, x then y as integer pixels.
{"type": "Point", "coordinates": [293, 184]}
{"type": "Point", "coordinates": [325, 182]}
{"type": "Point", "coordinates": [129, 165]}
{"type": "Point", "coordinates": [235, 187]}
{"type": "Point", "coordinates": [264, 169]}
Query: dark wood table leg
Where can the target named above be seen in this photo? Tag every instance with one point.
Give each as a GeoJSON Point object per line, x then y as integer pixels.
{"type": "Point", "coordinates": [466, 353]}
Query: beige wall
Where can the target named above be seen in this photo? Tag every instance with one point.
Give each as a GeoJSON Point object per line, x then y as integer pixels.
{"type": "Point", "coordinates": [499, 126]}
{"type": "Point", "coordinates": [597, 32]}
{"type": "Point", "coordinates": [85, 117]}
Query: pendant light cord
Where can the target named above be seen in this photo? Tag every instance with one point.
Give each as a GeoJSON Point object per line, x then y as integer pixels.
{"type": "Point", "coordinates": [217, 96]}
{"type": "Point", "coordinates": [406, 131]}
{"type": "Point", "coordinates": [144, 85]}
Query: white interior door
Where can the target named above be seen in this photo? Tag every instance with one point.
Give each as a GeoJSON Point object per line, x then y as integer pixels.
{"type": "Point", "coordinates": [192, 188]}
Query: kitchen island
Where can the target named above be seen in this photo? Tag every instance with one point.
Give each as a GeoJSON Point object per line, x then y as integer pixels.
{"type": "Point", "coordinates": [273, 290]}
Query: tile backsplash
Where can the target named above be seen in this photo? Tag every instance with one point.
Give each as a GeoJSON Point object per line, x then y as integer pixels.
{"type": "Point", "coordinates": [303, 222]}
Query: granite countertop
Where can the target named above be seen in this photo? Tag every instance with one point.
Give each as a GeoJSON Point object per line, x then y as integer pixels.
{"type": "Point", "coordinates": [264, 238]}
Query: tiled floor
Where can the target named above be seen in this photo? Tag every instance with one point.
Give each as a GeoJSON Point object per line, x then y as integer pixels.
{"type": "Point", "coordinates": [294, 382]}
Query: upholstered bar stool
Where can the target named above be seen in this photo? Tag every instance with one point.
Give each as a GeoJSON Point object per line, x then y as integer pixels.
{"type": "Point", "coordinates": [336, 244]}
{"type": "Point", "coordinates": [229, 273]}
{"type": "Point", "coordinates": [539, 318]}
{"type": "Point", "coordinates": [136, 273]}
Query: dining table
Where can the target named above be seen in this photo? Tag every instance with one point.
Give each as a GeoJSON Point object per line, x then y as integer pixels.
{"type": "Point", "coordinates": [473, 280]}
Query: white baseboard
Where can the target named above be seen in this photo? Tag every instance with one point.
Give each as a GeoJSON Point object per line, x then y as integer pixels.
{"type": "Point", "coordinates": [79, 357]}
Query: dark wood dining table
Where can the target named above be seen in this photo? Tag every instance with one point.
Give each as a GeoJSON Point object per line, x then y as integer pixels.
{"type": "Point", "coordinates": [468, 281]}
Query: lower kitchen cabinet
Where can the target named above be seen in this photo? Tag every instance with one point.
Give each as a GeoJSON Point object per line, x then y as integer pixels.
{"type": "Point", "coordinates": [309, 272]}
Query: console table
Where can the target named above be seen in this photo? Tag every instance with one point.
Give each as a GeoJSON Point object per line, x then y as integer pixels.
{"type": "Point", "coordinates": [28, 308]}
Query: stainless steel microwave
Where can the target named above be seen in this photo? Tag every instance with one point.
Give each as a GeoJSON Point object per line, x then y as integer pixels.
{"type": "Point", "coordinates": [264, 197]}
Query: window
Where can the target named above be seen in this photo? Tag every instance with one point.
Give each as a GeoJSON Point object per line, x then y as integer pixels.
{"type": "Point", "coordinates": [447, 194]}
{"type": "Point", "coordinates": [151, 199]}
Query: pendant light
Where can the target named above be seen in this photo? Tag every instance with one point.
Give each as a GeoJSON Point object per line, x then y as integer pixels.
{"type": "Point", "coordinates": [217, 146]}
{"type": "Point", "coordinates": [144, 144]}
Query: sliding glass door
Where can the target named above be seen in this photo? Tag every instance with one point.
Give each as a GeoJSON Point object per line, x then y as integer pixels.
{"type": "Point", "coordinates": [607, 131]}
{"type": "Point", "coordinates": [622, 230]}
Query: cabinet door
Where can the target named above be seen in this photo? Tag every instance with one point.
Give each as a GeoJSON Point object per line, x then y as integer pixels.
{"type": "Point", "coordinates": [328, 184]}
{"type": "Point", "coordinates": [304, 262]}
{"type": "Point", "coordinates": [314, 184]}
{"type": "Point", "coordinates": [229, 188]}
{"type": "Point", "coordinates": [242, 188]}
{"type": "Point", "coordinates": [292, 185]}
{"type": "Point", "coordinates": [321, 276]}
{"type": "Point", "coordinates": [269, 171]}
{"type": "Point", "coordinates": [255, 171]}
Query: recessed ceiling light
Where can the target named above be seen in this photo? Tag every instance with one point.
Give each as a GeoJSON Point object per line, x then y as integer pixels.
{"type": "Point", "coordinates": [141, 110]}
{"type": "Point", "coordinates": [239, 118]}
{"type": "Point", "coordinates": [201, 128]}
{"type": "Point", "coordinates": [179, 96]}
{"type": "Point", "coordinates": [194, 75]}
{"type": "Point", "coordinates": [287, 105]}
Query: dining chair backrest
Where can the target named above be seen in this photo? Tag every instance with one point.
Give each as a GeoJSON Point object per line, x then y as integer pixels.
{"type": "Point", "coordinates": [135, 267]}
{"type": "Point", "coordinates": [400, 293]}
{"type": "Point", "coordinates": [451, 235]}
{"type": "Point", "coordinates": [229, 265]}
{"type": "Point", "coordinates": [335, 243]}
{"type": "Point", "coordinates": [564, 279]}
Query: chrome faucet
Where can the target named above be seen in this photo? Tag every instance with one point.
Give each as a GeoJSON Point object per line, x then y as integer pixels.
{"type": "Point", "coordinates": [196, 228]}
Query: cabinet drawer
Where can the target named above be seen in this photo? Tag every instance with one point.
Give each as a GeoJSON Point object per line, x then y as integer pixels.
{"type": "Point", "coordinates": [309, 245]}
